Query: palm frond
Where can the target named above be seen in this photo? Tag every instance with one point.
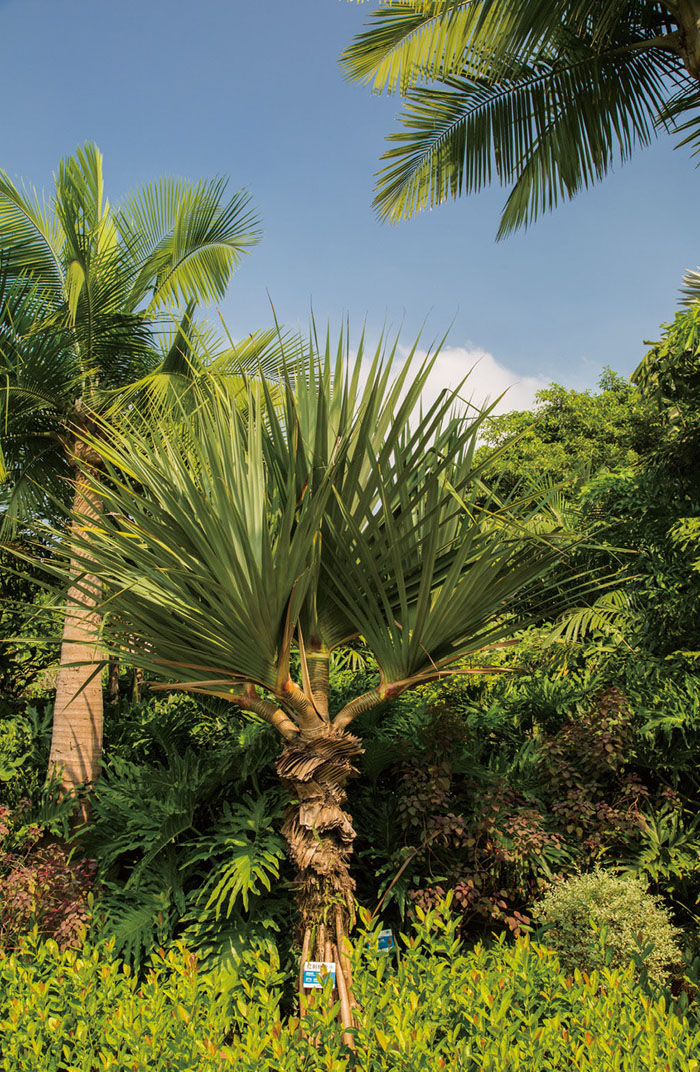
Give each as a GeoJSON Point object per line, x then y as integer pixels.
{"type": "Point", "coordinates": [185, 240]}
{"type": "Point", "coordinates": [608, 614]}
{"type": "Point", "coordinates": [213, 552]}
{"type": "Point", "coordinates": [543, 96]}
{"type": "Point", "coordinates": [30, 235]}
{"type": "Point", "coordinates": [551, 131]}
{"type": "Point", "coordinates": [407, 42]}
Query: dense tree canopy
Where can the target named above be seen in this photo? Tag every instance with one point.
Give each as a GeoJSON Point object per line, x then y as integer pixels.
{"type": "Point", "coordinates": [570, 435]}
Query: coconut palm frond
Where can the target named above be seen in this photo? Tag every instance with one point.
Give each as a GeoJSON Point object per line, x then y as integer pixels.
{"type": "Point", "coordinates": [185, 240]}
{"type": "Point", "coordinates": [543, 97]}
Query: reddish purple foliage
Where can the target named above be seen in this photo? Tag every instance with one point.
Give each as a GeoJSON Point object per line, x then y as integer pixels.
{"type": "Point", "coordinates": [41, 885]}
{"type": "Point", "coordinates": [499, 849]}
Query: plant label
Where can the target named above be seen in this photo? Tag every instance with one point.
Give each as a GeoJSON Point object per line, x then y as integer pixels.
{"type": "Point", "coordinates": [385, 940]}
{"type": "Point", "coordinates": [316, 972]}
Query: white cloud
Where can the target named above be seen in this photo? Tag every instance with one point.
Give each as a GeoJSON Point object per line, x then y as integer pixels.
{"type": "Point", "coordinates": [487, 380]}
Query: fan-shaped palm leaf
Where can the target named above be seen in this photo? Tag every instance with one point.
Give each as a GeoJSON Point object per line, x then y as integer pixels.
{"type": "Point", "coordinates": [340, 511]}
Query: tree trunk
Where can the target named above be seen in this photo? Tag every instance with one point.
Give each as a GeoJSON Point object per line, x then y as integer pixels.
{"type": "Point", "coordinates": [136, 685]}
{"type": "Point", "coordinates": [76, 742]}
{"type": "Point", "coordinates": [320, 836]}
{"type": "Point", "coordinates": [687, 14]}
{"type": "Point", "coordinates": [113, 680]}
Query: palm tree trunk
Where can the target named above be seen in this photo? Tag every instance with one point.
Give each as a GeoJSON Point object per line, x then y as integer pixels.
{"type": "Point", "coordinates": [76, 742]}
{"type": "Point", "coordinates": [320, 836]}
{"type": "Point", "coordinates": [687, 14]}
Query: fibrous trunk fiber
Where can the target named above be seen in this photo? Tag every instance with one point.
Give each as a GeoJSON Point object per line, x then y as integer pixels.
{"type": "Point", "coordinates": [320, 836]}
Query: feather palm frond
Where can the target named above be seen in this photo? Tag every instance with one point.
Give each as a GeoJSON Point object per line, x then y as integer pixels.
{"type": "Point", "coordinates": [80, 286]}
{"type": "Point", "coordinates": [542, 96]}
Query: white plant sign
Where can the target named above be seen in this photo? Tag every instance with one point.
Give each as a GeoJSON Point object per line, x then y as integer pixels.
{"type": "Point", "coordinates": [317, 972]}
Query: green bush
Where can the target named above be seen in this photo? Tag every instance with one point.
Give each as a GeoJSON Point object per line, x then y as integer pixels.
{"type": "Point", "coordinates": [431, 1006]}
{"type": "Point", "coordinates": [603, 919]}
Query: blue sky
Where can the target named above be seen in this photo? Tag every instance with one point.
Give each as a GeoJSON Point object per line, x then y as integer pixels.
{"type": "Point", "coordinates": [254, 91]}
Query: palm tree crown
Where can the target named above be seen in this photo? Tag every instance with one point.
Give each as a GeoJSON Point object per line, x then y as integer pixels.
{"type": "Point", "coordinates": [230, 538]}
{"type": "Point", "coordinates": [86, 293]}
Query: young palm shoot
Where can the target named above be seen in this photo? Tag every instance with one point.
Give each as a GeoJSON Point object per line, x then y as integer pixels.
{"type": "Point", "coordinates": [342, 509]}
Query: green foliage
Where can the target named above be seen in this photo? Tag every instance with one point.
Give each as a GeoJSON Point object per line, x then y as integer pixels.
{"type": "Point", "coordinates": [244, 837]}
{"type": "Point", "coordinates": [489, 788]}
{"type": "Point", "coordinates": [649, 512]}
{"type": "Point", "coordinates": [175, 855]}
{"type": "Point", "coordinates": [604, 919]}
{"type": "Point", "coordinates": [570, 435]}
{"type": "Point", "coordinates": [325, 519]}
{"type": "Point", "coordinates": [667, 846]}
{"type": "Point", "coordinates": [435, 1007]}
{"type": "Point", "coordinates": [669, 377]}
{"type": "Point", "coordinates": [83, 289]}
{"type": "Point", "coordinates": [23, 657]}
{"type": "Point", "coordinates": [24, 748]}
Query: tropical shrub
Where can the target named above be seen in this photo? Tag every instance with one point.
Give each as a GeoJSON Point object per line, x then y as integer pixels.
{"type": "Point", "coordinates": [605, 919]}
{"type": "Point", "coordinates": [25, 735]}
{"type": "Point", "coordinates": [434, 1006]}
{"type": "Point", "coordinates": [41, 886]}
{"type": "Point", "coordinates": [491, 791]}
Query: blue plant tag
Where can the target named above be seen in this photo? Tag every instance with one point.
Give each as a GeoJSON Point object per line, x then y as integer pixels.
{"type": "Point", "coordinates": [316, 973]}
{"type": "Point", "coordinates": [385, 940]}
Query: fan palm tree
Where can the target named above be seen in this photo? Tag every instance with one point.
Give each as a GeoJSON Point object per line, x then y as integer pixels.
{"type": "Point", "coordinates": [230, 539]}
{"type": "Point", "coordinates": [86, 290]}
{"type": "Point", "coordinates": [543, 96]}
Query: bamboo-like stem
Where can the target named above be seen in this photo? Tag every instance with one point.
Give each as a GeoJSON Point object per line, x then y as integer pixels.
{"type": "Point", "coordinates": [345, 1006]}
{"type": "Point", "coordinates": [306, 945]}
{"type": "Point", "coordinates": [344, 960]}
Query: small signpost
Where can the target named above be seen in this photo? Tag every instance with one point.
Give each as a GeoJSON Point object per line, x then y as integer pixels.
{"type": "Point", "coordinates": [317, 972]}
